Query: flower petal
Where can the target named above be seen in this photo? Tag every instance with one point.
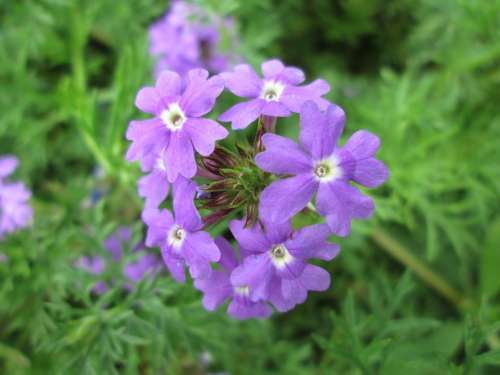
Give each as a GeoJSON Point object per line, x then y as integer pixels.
{"type": "Point", "coordinates": [174, 264]}
{"type": "Point", "coordinates": [228, 259]}
{"type": "Point", "coordinates": [362, 145]}
{"type": "Point", "coordinates": [243, 81]}
{"type": "Point", "coordinates": [168, 86]}
{"type": "Point", "coordinates": [284, 198]}
{"type": "Point", "coordinates": [201, 93]}
{"type": "Point", "coordinates": [276, 296]}
{"type": "Point", "coordinates": [310, 242]}
{"type": "Point", "coordinates": [315, 278]}
{"type": "Point", "coordinates": [320, 131]}
{"type": "Point", "coordinates": [186, 214]}
{"type": "Point", "coordinates": [272, 68]}
{"type": "Point", "coordinates": [370, 172]}
{"type": "Point", "coordinates": [242, 114]}
{"type": "Point", "coordinates": [179, 156]}
{"type": "Point", "coordinates": [148, 138]}
{"type": "Point", "coordinates": [275, 109]}
{"type": "Point", "coordinates": [292, 76]}
{"type": "Point", "coordinates": [204, 246]}
{"type": "Point", "coordinates": [154, 188]}
{"type": "Point", "coordinates": [241, 310]}
{"type": "Point", "coordinates": [148, 100]}
{"type": "Point", "coordinates": [216, 289]}
{"type": "Point", "coordinates": [340, 203]}
{"type": "Point", "coordinates": [204, 133]}
{"type": "Point", "coordinates": [282, 156]}
{"type": "Point", "coordinates": [255, 273]}
{"type": "Point", "coordinates": [158, 222]}
{"type": "Point", "coordinates": [295, 96]}
{"type": "Point", "coordinates": [251, 239]}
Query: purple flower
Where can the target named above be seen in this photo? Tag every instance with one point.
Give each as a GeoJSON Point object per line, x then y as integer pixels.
{"type": "Point", "coordinates": [183, 40]}
{"type": "Point", "coordinates": [181, 239]}
{"type": "Point", "coordinates": [277, 269]}
{"type": "Point", "coordinates": [217, 288]}
{"type": "Point", "coordinates": [177, 126]}
{"type": "Point", "coordinates": [319, 166]}
{"type": "Point", "coordinates": [15, 211]}
{"type": "Point", "coordinates": [134, 271]}
{"type": "Point", "coordinates": [276, 95]}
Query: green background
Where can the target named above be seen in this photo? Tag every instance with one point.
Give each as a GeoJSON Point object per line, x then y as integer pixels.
{"type": "Point", "coordinates": [415, 290]}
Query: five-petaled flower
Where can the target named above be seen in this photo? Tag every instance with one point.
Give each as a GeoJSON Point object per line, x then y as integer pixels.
{"type": "Point", "coordinates": [319, 166]}
{"type": "Point", "coordinates": [276, 95]}
{"type": "Point", "coordinates": [181, 239]}
{"type": "Point", "coordinates": [217, 288]}
{"type": "Point", "coordinates": [177, 127]}
{"type": "Point", "coordinates": [277, 268]}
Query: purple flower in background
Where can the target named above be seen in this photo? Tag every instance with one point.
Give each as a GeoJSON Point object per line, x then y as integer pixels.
{"type": "Point", "coordinates": [15, 211]}
{"type": "Point", "coordinates": [277, 270]}
{"type": "Point", "coordinates": [177, 127]}
{"type": "Point", "coordinates": [134, 271]}
{"type": "Point", "coordinates": [276, 95]}
{"type": "Point", "coordinates": [187, 37]}
{"type": "Point", "coordinates": [318, 165]}
{"type": "Point", "coordinates": [181, 239]}
{"type": "Point", "coordinates": [217, 288]}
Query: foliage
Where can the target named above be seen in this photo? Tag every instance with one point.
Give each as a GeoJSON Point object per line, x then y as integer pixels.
{"type": "Point", "coordinates": [424, 75]}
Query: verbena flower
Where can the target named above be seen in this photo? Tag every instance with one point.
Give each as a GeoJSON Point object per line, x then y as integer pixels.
{"type": "Point", "coordinates": [187, 37]}
{"type": "Point", "coordinates": [147, 265]}
{"type": "Point", "coordinates": [177, 127]}
{"type": "Point", "coordinates": [217, 288]}
{"type": "Point", "coordinates": [277, 268]}
{"type": "Point", "coordinates": [275, 95]}
{"type": "Point", "coordinates": [15, 211]}
{"type": "Point", "coordinates": [318, 165]}
{"type": "Point", "coordinates": [181, 238]}
{"type": "Point", "coordinates": [265, 183]}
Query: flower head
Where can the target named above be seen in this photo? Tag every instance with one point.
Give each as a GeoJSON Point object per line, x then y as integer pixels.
{"type": "Point", "coordinates": [217, 288]}
{"type": "Point", "coordinates": [177, 128]}
{"type": "Point", "coordinates": [276, 267]}
{"type": "Point", "coordinates": [187, 37]}
{"type": "Point", "coordinates": [276, 95]}
{"type": "Point", "coordinates": [15, 211]}
{"type": "Point", "coordinates": [319, 166]}
{"type": "Point", "coordinates": [181, 238]}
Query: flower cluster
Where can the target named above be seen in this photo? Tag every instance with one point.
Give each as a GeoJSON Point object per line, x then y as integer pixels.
{"type": "Point", "coordinates": [146, 265]}
{"type": "Point", "coordinates": [188, 37]}
{"type": "Point", "coordinates": [15, 211]}
{"type": "Point", "coordinates": [267, 183]}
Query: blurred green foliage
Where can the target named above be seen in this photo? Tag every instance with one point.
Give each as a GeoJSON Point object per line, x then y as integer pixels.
{"type": "Point", "coordinates": [424, 75]}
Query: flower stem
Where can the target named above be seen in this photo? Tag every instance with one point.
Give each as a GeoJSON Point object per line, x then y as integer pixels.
{"type": "Point", "coordinates": [398, 251]}
{"type": "Point", "coordinates": [422, 270]}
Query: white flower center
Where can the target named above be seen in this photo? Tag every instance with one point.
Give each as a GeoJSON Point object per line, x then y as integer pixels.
{"type": "Point", "coordinates": [173, 117]}
{"type": "Point", "coordinates": [176, 237]}
{"type": "Point", "coordinates": [272, 91]}
{"type": "Point", "coordinates": [280, 256]}
{"type": "Point", "coordinates": [242, 290]}
{"type": "Point", "coordinates": [327, 170]}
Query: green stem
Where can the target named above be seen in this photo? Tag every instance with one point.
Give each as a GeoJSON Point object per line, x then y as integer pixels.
{"type": "Point", "coordinates": [422, 270]}
{"type": "Point", "coordinates": [398, 251]}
